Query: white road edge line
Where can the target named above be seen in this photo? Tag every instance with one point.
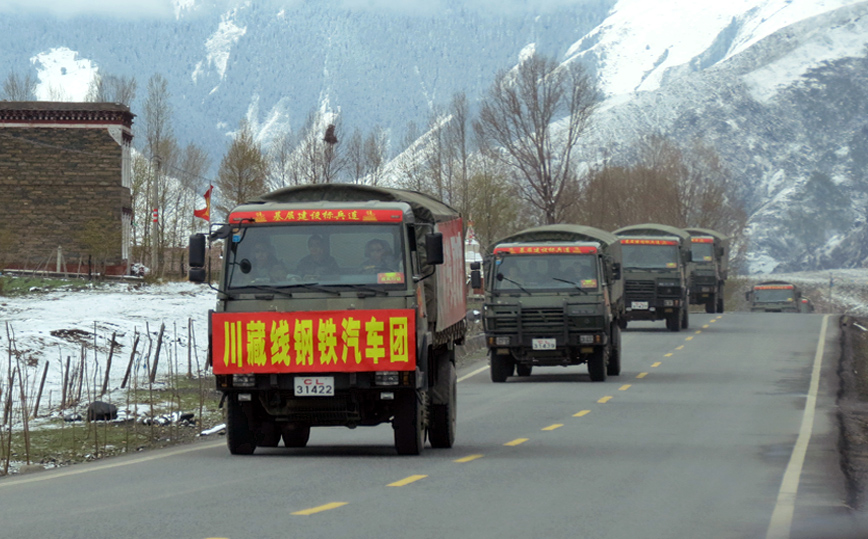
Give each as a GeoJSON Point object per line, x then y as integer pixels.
{"type": "Point", "coordinates": [474, 373]}
{"type": "Point", "coordinates": [782, 516]}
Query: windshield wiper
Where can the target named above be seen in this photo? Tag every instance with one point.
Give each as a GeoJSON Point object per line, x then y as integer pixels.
{"type": "Point", "coordinates": [579, 288]}
{"type": "Point", "coordinates": [362, 287]}
{"type": "Point", "coordinates": [311, 286]}
{"type": "Point", "coordinates": [516, 283]}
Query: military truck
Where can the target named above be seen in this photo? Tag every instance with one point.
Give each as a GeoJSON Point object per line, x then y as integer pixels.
{"type": "Point", "coordinates": [554, 296]}
{"type": "Point", "coordinates": [710, 255]}
{"type": "Point", "coordinates": [337, 305]}
{"type": "Point", "coordinates": [656, 269]}
{"type": "Point", "coordinates": [776, 297]}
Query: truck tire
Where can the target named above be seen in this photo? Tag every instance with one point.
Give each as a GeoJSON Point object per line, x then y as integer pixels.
{"type": "Point", "coordinates": [711, 305]}
{"type": "Point", "coordinates": [673, 321]}
{"type": "Point", "coordinates": [501, 367]}
{"type": "Point", "coordinates": [720, 304]}
{"type": "Point", "coordinates": [522, 369]}
{"type": "Point", "coordinates": [622, 322]}
{"type": "Point", "coordinates": [597, 364]}
{"type": "Point", "coordinates": [296, 435]}
{"type": "Point", "coordinates": [239, 436]}
{"type": "Point", "coordinates": [441, 430]}
{"type": "Point", "coordinates": [614, 367]}
{"type": "Point", "coordinates": [408, 422]}
{"type": "Point", "coordinates": [685, 317]}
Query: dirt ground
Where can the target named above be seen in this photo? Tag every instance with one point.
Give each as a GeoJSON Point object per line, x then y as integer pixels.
{"type": "Point", "coordinates": [853, 409]}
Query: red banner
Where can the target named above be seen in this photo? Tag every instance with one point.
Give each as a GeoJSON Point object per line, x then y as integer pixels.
{"type": "Point", "coordinates": [451, 277]}
{"type": "Point", "coordinates": [314, 342]}
{"type": "Point", "coordinates": [205, 213]}
{"type": "Point", "coordinates": [702, 240]}
{"type": "Point", "coordinates": [547, 250]}
{"type": "Point", "coordinates": [774, 287]}
{"type": "Point", "coordinates": [649, 242]}
{"type": "Point", "coordinates": [313, 216]}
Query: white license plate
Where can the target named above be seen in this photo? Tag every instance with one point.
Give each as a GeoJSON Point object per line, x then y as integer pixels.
{"type": "Point", "coordinates": [314, 386]}
{"type": "Point", "coordinates": [544, 344]}
{"type": "Point", "coordinates": [639, 305]}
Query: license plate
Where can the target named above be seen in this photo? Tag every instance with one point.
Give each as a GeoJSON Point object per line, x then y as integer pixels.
{"type": "Point", "coordinates": [314, 386]}
{"type": "Point", "coordinates": [544, 344]}
{"type": "Point", "coordinates": [639, 305]}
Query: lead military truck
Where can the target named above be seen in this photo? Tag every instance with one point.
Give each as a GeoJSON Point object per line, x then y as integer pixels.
{"type": "Point", "coordinates": [656, 268]}
{"type": "Point", "coordinates": [554, 296]}
{"type": "Point", "coordinates": [710, 256]}
{"type": "Point", "coordinates": [777, 297]}
{"type": "Point", "coordinates": [337, 305]}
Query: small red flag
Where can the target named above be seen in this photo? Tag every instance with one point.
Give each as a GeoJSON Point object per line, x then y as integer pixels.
{"type": "Point", "coordinates": [205, 213]}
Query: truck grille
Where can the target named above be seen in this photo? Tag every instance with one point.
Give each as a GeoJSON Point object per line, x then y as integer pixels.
{"type": "Point", "coordinates": [639, 290]}
{"type": "Point", "coordinates": [541, 321]}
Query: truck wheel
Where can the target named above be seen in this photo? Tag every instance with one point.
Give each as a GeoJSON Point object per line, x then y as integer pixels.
{"type": "Point", "coordinates": [622, 322]}
{"type": "Point", "coordinates": [673, 321]}
{"type": "Point", "coordinates": [685, 317]}
{"type": "Point", "coordinates": [720, 305]}
{"type": "Point", "coordinates": [501, 367]}
{"type": "Point", "coordinates": [614, 367]}
{"type": "Point", "coordinates": [408, 423]}
{"type": "Point", "coordinates": [523, 370]}
{"type": "Point", "coordinates": [711, 305]}
{"type": "Point", "coordinates": [441, 431]}
{"type": "Point", "coordinates": [597, 364]}
{"type": "Point", "coordinates": [296, 435]}
{"type": "Point", "coordinates": [239, 436]}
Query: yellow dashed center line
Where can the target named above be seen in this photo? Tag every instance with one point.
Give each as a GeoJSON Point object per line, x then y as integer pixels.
{"type": "Point", "coordinates": [689, 338]}
{"type": "Point", "coordinates": [624, 387]}
{"type": "Point", "coordinates": [407, 481]}
{"type": "Point", "coordinates": [668, 355]}
{"type": "Point", "coordinates": [553, 427]}
{"type": "Point", "coordinates": [706, 326]}
{"type": "Point", "coordinates": [604, 400]}
{"type": "Point", "coordinates": [642, 375]}
{"type": "Point", "coordinates": [516, 442]}
{"type": "Point", "coordinates": [468, 458]}
{"type": "Point", "coordinates": [657, 363]}
{"type": "Point", "coordinates": [698, 331]}
{"type": "Point", "coordinates": [321, 508]}
{"type": "Point", "coordinates": [680, 347]}
{"type": "Point", "coordinates": [582, 413]}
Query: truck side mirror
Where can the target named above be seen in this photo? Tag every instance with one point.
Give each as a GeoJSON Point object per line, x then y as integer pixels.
{"type": "Point", "coordinates": [720, 252]}
{"type": "Point", "coordinates": [747, 296]}
{"type": "Point", "coordinates": [616, 271]}
{"type": "Point", "coordinates": [196, 257]}
{"type": "Point", "coordinates": [475, 275]}
{"type": "Point", "coordinates": [434, 249]}
{"type": "Point", "coordinates": [688, 256]}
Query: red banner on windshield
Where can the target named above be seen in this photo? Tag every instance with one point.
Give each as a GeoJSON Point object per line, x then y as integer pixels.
{"type": "Point", "coordinates": [649, 242]}
{"type": "Point", "coordinates": [774, 287]}
{"type": "Point", "coordinates": [314, 341]}
{"type": "Point", "coordinates": [547, 250]}
{"type": "Point", "coordinates": [702, 240]}
{"type": "Point", "coordinates": [314, 216]}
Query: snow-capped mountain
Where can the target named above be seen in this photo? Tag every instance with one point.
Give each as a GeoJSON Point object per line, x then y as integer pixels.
{"type": "Point", "coordinates": [777, 86]}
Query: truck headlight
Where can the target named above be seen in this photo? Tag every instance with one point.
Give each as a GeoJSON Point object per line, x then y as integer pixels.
{"type": "Point", "coordinates": [386, 378]}
{"type": "Point", "coordinates": [502, 340]}
{"type": "Point", "coordinates": [243, 380]}
{"type": "Point", "coordinates": [586, 339]}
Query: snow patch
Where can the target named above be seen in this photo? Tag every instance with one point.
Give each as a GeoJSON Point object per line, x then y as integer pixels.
{"type": "Point", "coordinates": [219, 46]}
{"type": "Point", "coordinates": [62, 75]}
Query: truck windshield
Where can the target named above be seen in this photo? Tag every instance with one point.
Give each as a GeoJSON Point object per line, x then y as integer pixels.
{"type": "Point", "coordinates": [703, 252]}
{"type": "Point", "coordinates": [772, 295]}
{"type": "Point", "coordinates": [546, 272]}
{"type": "Point", "coordinates": [650, 256]}
{"type": "Point", "coordinates": [285, 256]}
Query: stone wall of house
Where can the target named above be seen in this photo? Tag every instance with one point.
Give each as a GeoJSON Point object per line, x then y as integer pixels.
{"type": "Point", "coordinates": [61, 187]}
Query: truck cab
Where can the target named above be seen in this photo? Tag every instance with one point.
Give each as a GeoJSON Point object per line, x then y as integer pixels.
{"type": "Point", "coordinates": [710, 256]}
{"type": "Point", "coordinates": [775, 297]}
{"type": "Point", "coordinates": [554, 298]}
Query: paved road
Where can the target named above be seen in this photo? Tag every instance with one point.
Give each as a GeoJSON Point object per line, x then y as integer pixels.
{"type": "Point", "coordinates": [701, 436]}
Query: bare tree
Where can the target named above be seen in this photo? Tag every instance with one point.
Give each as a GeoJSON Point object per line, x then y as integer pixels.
{"type": "Point", "coordinates": [158, 130]}
{"type": "Point", "coordinates": [111, 89]}
{"type": "Point", "coordinates": [280, 170]}
{"type": "Point", "coordinates": [493, 204]}
{"type": "Point", "coordinates": [243, 171]}
{"type": "Point", "coordinates": [354, 150]}
{"type": "Point", "coordinates": [518, 119]}
{"type": "Point", "coordinates": [375, 152]}
{"type": "Point", "coordinates": [19, 88]}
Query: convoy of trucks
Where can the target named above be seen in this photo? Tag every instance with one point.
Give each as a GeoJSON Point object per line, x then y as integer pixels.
{"type": "Point", "coordinates": [656, 270]}
{"type": "Point", "coordinates": [342, 305]}
{"type": "Point", "coordinates": [554, 296]}
{"type": "Point", "coordinates": [710, 257]}
{"type": "Point", "coordinates": [337, 305]}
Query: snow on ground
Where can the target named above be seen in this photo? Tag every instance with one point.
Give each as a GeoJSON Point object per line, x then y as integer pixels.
{"type": "Point", "coordinates": [47, 328]}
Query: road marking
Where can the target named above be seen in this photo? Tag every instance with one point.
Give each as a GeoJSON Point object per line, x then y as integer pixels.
{"type": "Point", "coordinates": [604, 400]}
{"type": "Point", "coordinates": [517, 441]}
{"type": "Point", "coordinates": [656, 364]}
{"type": "Point", "coordinates": [698, 331]}
{"type": "Point", "coordinates": [706, 326]}
{"type": "Point", "coordinates": [553, 427]}
{"type": "Point", "coordinates": [474, 373]}
{"type": "Point", "coordinates": [582, 413]}
{"type": "Point", "coordinates": [718, 318]}
{"type": "Point", "coordinates": [624, 387]}
{"type": "Point", "coordinates": [321, 508]}
{"type": "Point", "coordinates": [668, 355]}
{"type": "Point", "coordinates": [782, 517]}
{"type": "Point", "coordinates": [170, 453]}
{"type": "Point", "coordinates": [689, 338]}
{"type": "Point", "coordinates": [680, 347]}
{"type": "Point", "coordinates": [642, 374]}
{"type": "Point", "coordinates": [468, 458]}
{"type": "Point", "coordinates": [407, 481]}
